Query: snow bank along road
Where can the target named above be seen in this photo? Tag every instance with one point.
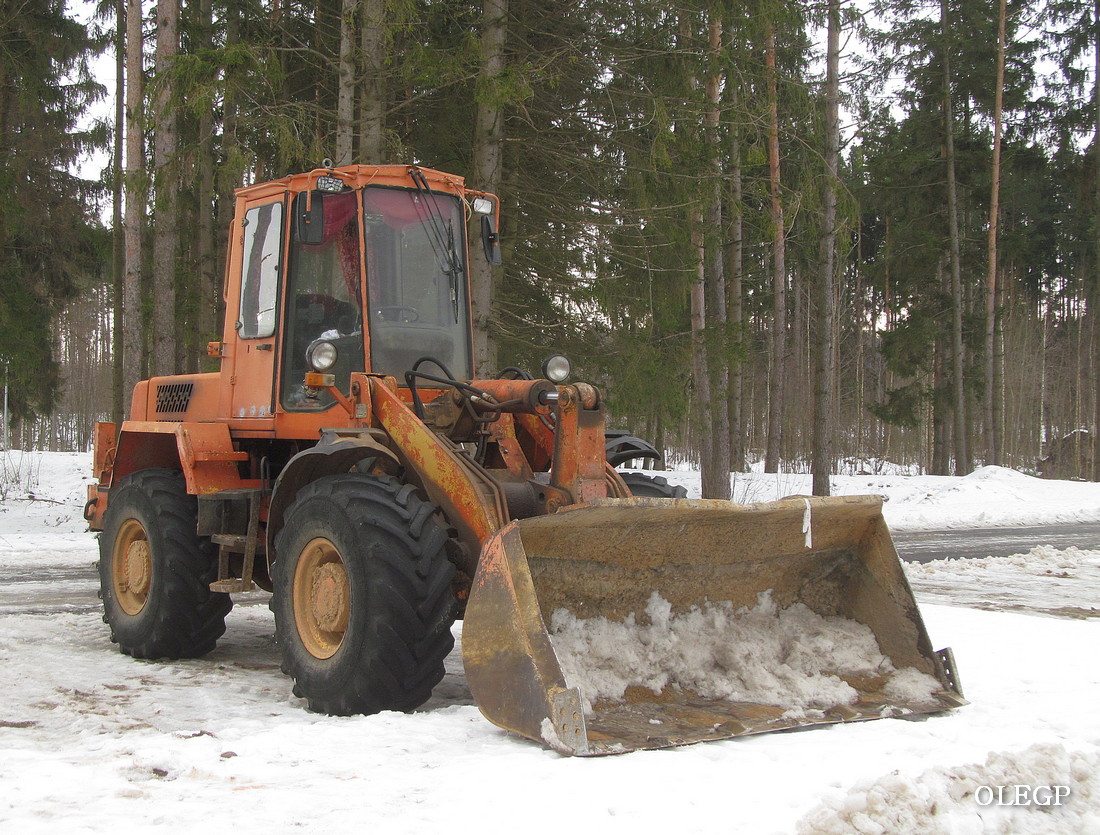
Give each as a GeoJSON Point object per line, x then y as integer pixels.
{"type": "Point", "coordinates": [924, 546]}
{"type": "Point", "coordinates": [93, 741]}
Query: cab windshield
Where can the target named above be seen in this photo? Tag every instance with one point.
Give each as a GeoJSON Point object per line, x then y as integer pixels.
{"type": "Point", "coordinates": [416, 284]}
{"type": "Point", "coordinates": [324, 303]}
{"type": "Point", "coordinates": [416, 303]}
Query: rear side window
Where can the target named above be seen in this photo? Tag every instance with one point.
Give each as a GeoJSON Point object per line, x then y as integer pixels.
{"type": "Point", "coordinates": [263, 239]}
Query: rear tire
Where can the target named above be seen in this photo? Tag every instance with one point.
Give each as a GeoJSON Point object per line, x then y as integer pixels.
{"type": "Point", "coordinates": [363, 599]}
{"type": "Point", "coordinates": [653, 486]}
{"type": "Point", "coordinates": [155, 571]}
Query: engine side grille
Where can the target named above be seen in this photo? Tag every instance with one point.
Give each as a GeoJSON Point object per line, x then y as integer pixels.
{"type": "Point", "coordinates": [173, 398]}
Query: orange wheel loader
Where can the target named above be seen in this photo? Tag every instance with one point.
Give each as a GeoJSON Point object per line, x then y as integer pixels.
{"type": "Point", "coordinates": [345, 459]}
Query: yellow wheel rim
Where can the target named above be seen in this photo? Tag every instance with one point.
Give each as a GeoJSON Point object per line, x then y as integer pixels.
{"type": "Point", "coordinates": [322, 598]}
{"type": "Point", "coordinates": [132, 567]}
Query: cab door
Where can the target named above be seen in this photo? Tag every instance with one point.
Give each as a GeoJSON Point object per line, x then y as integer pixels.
{"type": "Point", "coordinates": [253, 311]}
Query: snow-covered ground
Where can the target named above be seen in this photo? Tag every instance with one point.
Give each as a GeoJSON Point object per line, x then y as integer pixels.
{"type": "Point", "coordinates": [989, 497]}
{"type": "Point", "coordinates": [92, 741]}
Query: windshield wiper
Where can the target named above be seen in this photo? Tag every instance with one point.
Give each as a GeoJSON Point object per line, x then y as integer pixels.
{"type": "Point", "coordinates": [441, 235]}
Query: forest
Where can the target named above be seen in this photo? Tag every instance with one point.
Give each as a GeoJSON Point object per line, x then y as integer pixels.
{"type": "Point", "coordinates": [803, 236]}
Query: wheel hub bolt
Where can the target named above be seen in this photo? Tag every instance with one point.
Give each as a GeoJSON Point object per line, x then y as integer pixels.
{"type": "Point", "coordinates": [138, 567]}
{"type": "Point", "coordinates": [330, 597]}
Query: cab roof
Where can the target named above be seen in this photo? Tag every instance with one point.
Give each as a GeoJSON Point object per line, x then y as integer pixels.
{"type": "Point", "coordinates": [356, 176]}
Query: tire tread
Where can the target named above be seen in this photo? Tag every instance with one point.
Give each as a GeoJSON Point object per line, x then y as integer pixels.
{"type": "Point", "coordinates": [186, 618]}
{"type": "Point", "coordinates": [653, 486]}
{"type": "Point", "coordinates": [402, 653]}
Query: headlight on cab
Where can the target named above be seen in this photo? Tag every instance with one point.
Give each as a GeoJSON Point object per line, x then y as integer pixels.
{"type": "Point", "coordinates": [321, 355]}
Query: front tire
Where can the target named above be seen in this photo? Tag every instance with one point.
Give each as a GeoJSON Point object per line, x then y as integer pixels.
{"type": "Point", "coordinates": [155, 571]}
{"type": "Point", "coordinates": [362, 599]}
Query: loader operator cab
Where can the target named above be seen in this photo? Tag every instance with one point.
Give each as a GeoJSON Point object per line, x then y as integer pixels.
{"type": "Point", "coordinates": [416, 304]}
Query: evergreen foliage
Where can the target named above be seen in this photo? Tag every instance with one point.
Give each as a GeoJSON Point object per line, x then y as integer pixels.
{"type": "Point", "coordinates": [50, 244]}
{"type": "Point", "coordinates": [635, 170]}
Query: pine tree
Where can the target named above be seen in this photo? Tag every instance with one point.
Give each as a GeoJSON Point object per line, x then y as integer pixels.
{"type": "Point", "coordinates": [50, 243]}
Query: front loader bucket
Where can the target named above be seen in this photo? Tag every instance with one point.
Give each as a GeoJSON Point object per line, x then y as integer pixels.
{"type": "Point", "coordinates": [647, 623]}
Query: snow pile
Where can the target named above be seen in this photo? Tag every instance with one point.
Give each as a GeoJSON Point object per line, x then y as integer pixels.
{"type": "Point", "coordinates": [43, 489]}
{"type": "Point", "coordinates": [977, 798]}
{"type": "Point", "coordinates": [989, 497]}
{"type": "Point", "coordinates": [1042, 560]}
{"type": "Point", "coordinates": [791, 658]}
{"type": "Point", "coordinates": [46, 552]}
{"type": "Point", "coordinates": [52, 477]}
{"type": "Point", "coordinates": [1070, 578]}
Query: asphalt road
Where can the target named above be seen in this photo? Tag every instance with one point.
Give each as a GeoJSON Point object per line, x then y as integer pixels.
{"type": "Point", "coordinates": [924, 546]}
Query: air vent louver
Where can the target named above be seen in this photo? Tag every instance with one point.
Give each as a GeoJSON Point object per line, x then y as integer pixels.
{"type": "Point", "coordinates": [173, 398]}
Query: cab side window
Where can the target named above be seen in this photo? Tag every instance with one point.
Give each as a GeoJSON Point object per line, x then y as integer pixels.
{"type": "Point", "coordinates": [263, 237]}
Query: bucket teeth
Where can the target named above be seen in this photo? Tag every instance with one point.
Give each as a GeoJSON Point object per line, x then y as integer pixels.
{"type": "Point", "coordinates": [565, 729]}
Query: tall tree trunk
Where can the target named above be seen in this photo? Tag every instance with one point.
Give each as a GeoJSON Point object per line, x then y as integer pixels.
{"type": "Point", "coordinates": [702, 435]}
{"type": "Point", "coordinates": [735, 262]}
{"type": "Point", "coordinates": [962, 448]}
{"type": "Point", "coordinates": [859, 315]}
{"type": "Point", "coordinates": [133, 348]}
{"type": "Point", "coordinates": [345, 83]}
{"type": "Point", "coordinates": [777, 377]}
{"type": "Point", "coordinates": [1045, 436]}
{"type": "Point", "coordinates": [1080, 382]}
{"type": "Point", "coordinates": [940, 460]}
{"type": "Point", "coordinates": [1096, 245]}
{"type": "Point", "coordinates": [993, 404]}
{"type": "Point", "coordinates": [372, 102]}
{"type": "Point", "coordinates": [824, 369]}
{"type": "Point", "coordinates": [209, 290]}
{"type": "Point", "coordinates": [118, 242]}
{"type": "Point", "coordinates": [166, 189]}
{"type": "Point", "coordinates": [701, 406]}
{"type": "Point", "coordinates": [230, 173]}
{"type": "Point", "coordinates": [715, 474]}
{"type": "Point", "coordinates": [487, 166]}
